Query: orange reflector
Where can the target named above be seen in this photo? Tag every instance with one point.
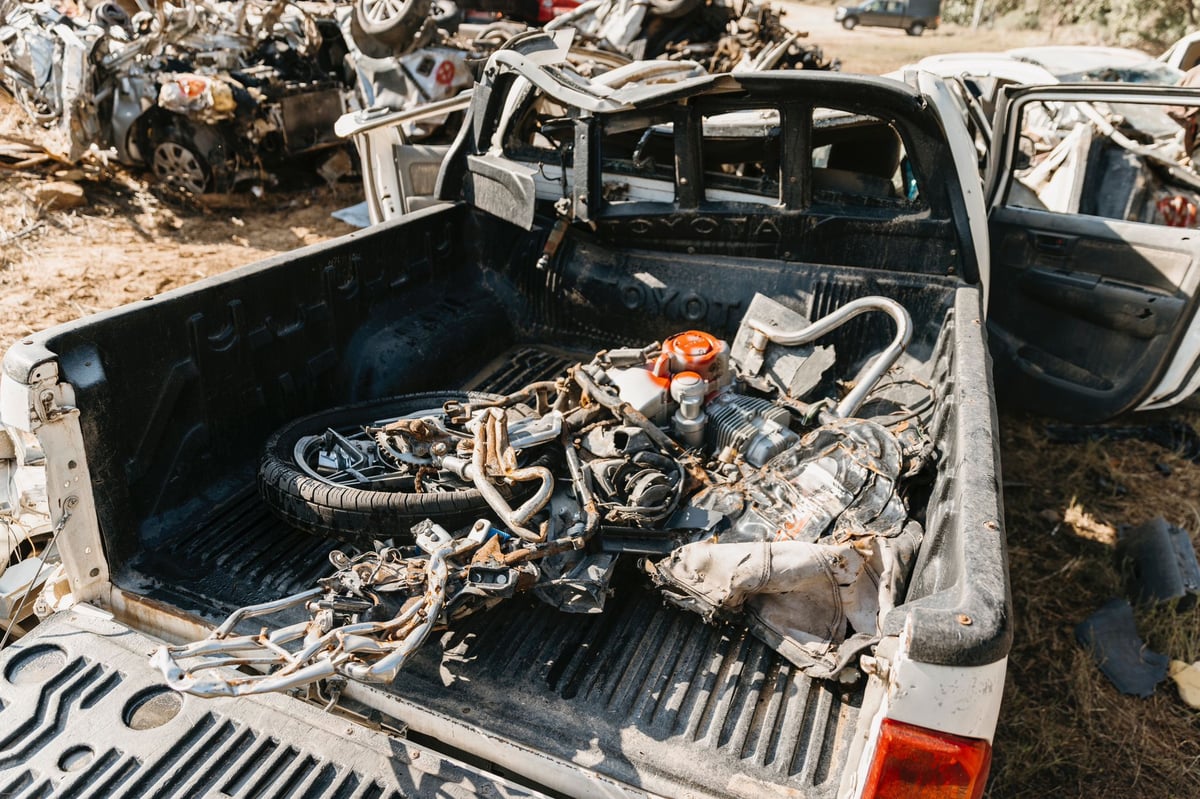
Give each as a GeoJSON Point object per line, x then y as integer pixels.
{"type": "Point", "coordinates": [915, 763]}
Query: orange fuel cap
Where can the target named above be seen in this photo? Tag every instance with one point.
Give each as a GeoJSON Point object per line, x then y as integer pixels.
{"type": "Point", "coordinates": [693, 351]}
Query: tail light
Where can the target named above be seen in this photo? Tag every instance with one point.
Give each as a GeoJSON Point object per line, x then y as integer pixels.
{"type": "Point", "coordinates": [915, 763]}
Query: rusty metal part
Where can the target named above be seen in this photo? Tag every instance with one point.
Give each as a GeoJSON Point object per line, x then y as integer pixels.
{"type": "Point", "coordinates": [368, 651]}
{"type": "Point", "coordinates": [492, 455]}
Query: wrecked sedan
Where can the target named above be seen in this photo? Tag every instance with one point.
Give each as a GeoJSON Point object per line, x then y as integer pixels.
{"type": "Point", "coordinates": [205, 94]}
{"type": "Point", "coordinates": [589, 228]}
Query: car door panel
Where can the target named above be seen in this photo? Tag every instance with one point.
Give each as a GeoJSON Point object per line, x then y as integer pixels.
{"type": "Point", "coordinates": [1082, 321]}
{"type": "Point", "coordinates": [1086, 312]}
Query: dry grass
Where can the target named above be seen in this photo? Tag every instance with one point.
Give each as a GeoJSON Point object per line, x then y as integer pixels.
{"type": "Point", "coordinates": [1064, 730]}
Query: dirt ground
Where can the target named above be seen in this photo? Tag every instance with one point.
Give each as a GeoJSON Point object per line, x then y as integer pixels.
{"type": "Point", "coordinates": [129, 241]}
{"type": "Point", "coordinates": [874, 51]}
{"type": "Point", "coordinates": [1064, 731]}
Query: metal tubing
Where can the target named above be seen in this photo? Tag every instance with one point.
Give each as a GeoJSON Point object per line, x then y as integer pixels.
{"type": "Point", "coordinates": [872, 372]}
{"type": "Point", "coordinates": [250, 611]}
{"type": "Point", "coordinates": [437, 573]}
{"type": "Point", "coordinates": [491, 446]}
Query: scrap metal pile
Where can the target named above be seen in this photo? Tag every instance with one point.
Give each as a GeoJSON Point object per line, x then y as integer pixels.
{"type": "Point", "coordinates": [204, 93]}
{"type": "Point", "coordinates": [213, 94]}
{"type": "Point", "coordinates": [740, 499]}
{"type": "Point", "coordinates": [411, 53]}
{"type": "Point", "coordinates": [722, 36]}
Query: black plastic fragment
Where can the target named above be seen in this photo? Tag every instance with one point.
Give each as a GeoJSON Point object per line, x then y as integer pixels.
{"type": "Point", "coordinates": [1161, 563]}
{"type": "Point", "coordinates": [1111, 635]}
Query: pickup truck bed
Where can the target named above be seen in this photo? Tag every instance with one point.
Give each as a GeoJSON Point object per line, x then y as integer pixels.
{"type": "Point", "coordinates": [644, 692]}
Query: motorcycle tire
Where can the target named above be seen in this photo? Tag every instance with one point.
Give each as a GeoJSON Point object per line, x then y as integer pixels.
{"type": "Point", "coordinates": [352, 514]}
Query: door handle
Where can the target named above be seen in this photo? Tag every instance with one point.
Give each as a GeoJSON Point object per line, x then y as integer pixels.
{"type": "Point", "coordinates": [1053, 243]}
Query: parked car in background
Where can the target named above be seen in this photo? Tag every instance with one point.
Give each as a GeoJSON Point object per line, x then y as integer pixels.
{"type": "Point", "coordinates": [914, 17]}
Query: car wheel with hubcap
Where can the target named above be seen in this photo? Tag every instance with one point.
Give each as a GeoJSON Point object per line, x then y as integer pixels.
{"type": "Point", "coordinates": [179, 166]}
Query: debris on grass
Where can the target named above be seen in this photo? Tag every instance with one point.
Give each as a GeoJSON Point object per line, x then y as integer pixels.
{"type": "Point", "coordinates": [1086, 526]}
{"type": "Point", "coordinates": [1187, 677]}
{"type": "Point", "coordinates": [1160, 562]}
{"type": "Point", "coordinates": [1064, 729]}
{"type": "Point", "coordinates": [1111, 636]}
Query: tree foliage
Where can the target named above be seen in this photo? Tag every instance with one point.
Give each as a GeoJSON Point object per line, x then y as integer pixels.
{"type": "Point", "coordinates": [1127, 22]}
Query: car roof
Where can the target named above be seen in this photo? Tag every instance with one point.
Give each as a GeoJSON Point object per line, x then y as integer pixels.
{"type": "Point", "coordinates": [1076, 61]}
{"type": "Point", "coordinates": [979, 64]}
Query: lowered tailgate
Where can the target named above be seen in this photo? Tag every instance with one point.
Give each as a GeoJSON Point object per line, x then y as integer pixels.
{"type": "Point", "coordinates": [83, 714]}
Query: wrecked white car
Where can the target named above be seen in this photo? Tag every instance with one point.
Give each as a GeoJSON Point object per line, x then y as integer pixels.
{"type": "Point", "coordinates": [205, 94]}
{"type": "Point", "coordinates": [1094, 195]}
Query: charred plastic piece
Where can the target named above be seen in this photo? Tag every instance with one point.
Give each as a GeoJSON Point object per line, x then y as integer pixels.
{"type": "Point", "coordinates": [1161, 563]}
{"type": "Point", "coordinates": [1110, 635]}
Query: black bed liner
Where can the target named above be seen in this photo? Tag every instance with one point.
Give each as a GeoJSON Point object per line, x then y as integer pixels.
{"type": "Point", "coordinates": [643, 693]}
{"type": "Point", "coordinates": [83, 714]}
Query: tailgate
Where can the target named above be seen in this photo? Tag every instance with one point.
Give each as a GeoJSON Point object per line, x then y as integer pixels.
{"type": "Point", "coordinates": [83, 714]}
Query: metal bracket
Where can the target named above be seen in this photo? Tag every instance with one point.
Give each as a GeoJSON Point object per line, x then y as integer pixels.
{"type": "Point", "coordinates": [49, 407]}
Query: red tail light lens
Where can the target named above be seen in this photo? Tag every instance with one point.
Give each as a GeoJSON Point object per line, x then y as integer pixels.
{"type": "Point", "coordinates": [915, 763]}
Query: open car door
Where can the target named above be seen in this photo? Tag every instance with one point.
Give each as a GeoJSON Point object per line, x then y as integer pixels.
{"type": "Point", "coordinates": [1093, 202]}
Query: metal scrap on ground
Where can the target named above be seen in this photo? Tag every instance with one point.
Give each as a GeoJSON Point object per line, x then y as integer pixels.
{"type": "Point", "coordinates": [212, 95]}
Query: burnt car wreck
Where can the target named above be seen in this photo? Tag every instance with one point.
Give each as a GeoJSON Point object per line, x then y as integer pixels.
{"type": "Point", "coordinates": [205, 94]}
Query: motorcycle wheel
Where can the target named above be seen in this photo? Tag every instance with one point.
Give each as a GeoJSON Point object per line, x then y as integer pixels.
{"type": "Point", "coordinates": [334, 503]}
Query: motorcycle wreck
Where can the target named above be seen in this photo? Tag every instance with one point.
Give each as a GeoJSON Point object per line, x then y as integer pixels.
{"type": "Point", "coordinates": [741, 480]}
